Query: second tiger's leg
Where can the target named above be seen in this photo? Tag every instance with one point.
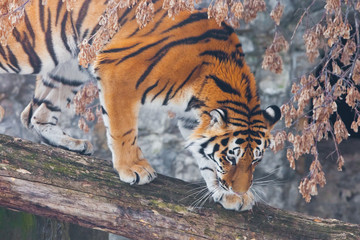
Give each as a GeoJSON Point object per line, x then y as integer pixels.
{"type": "Point", "coordinates": [120, 115]}
{"type": "Point", "coordinates": [43, 112]}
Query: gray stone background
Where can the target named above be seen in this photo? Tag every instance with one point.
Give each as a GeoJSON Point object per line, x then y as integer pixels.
{"type": "Point", "coordinates": [162, 144]}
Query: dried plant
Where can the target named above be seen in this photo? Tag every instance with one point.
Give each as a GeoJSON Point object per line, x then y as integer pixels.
{"type": "Point", "coordinates": [82, 100]}
{"type": "Point", "coordinates": [316, 97]}
{"type": "Point", "coordinates": [2, 113]}
{"type": "Point", "coordinates": [272, 60]}
{"type": "Point", "coordinates": [231, 11]}
{"type": "Point", "coordinates": [277, 12]}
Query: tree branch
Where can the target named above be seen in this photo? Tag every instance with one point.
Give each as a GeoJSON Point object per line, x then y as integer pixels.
{"type": "Point", "coordinates": [83, 190]}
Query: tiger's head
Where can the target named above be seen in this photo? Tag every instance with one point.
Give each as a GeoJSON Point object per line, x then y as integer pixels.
{"type": "Point", "coordinates": [231, 141]}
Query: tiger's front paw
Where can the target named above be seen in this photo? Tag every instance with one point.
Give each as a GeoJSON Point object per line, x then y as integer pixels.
{"type": "Point", "coordinates": [236, 202]}
{"type": "Point", "coordinates": [139, 173]}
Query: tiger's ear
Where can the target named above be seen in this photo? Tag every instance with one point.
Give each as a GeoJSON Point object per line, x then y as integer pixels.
{"type": "Point", "coordinates": [272, 114]}
{"type": "Point", "coordinates": [218, 117]}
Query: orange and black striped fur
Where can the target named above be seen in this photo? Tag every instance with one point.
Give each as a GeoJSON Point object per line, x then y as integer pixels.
{"type": "Point", "coordinates": [191, 66]}
{"type": "Point", "coordinates": [45, 43]}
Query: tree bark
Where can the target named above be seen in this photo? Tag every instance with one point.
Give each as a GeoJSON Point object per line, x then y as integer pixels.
{"type": "Point", "coordinates": [83, 190]}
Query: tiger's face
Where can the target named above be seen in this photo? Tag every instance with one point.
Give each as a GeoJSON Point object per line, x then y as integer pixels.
{"type": "Point", "coordinates": [232, 147]}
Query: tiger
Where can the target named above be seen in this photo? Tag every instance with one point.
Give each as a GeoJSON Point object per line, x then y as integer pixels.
{"type": "Point", "coordinates": [189, 65]}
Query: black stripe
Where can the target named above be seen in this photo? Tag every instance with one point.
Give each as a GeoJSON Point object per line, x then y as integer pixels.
{"type": "Point", "coordinates": [156, 24]}
{"type": "Point", "coordinates": [73, 27]}
{"type": "Point", "coordinates": [139, 51]}
{"type": "Point", "coordinates": [241, 120]}
{"type": "Point", "coordinates": [218, 54]}
{"type": "Point", "coordinates": [69, 82]}
{"type": "Point", "coordinates": [157, 94]}
{"type": "Point", "coordinates": [49, 105]}
{"type": "Point", "coordinates": [30, 29]}
{"type": "Point", "coordinates": [256, 113]}
{"type": "Point", "coordinates": [41, 15]}
{"type": "Point", "coordinates": [127, 11]}
{"type": "Point", "coordinates": [185, 81]}
{"type": "Point", "coordinates": [13, 60]}
{"type": "Point", "coordinates": [30, 115]}
{"type": "Point", "coordinates": [225, 141]}
{"type": "Point", "coordinates": [256, 107]}
{"type": "Point", "coordinates": [95, 29]}
{"type": "Point", "coordinates": [237, 124]}
{"type": "Point", "coordinates": [107, 61]}
{"type": "Point", "coordinates": [206, 168]}
{"type": "Point", "coordinates": [236, 103]}
{"type": "Point", "coordinates": [82, 14]}
{"type": "Point", "coordinates": [34, 59]}
{"type": "Point", "coordinates": [243, 132]}
{"type": "Point", "coordinates": [194, 103]}
{"type": "Point", "coordinates": [238, 57]}
{"type": "Point", "coordinates": [2, 66]}
{"type": "Point", "coordinates": [253, 133]}
{"type": "Point", "coordinates": [123, 22]}
{"type": "Point", "coordinates": [14, 70]}
{"type": "Point", "coordinates": [248, 94]}
{"type": "Point", "coordinates": [136, 31]}
{"type": "Point", "coordinates": [49, 43]}
{"type": "Point", "coordinates": [192, 18]}
{"type": "Point", "coordinates": [205, 144]}
{"type": "Point", "coordinates": [103, 111]}
{"type": "Point", "coordinates": [134, 141]}
{"type": "Point", "coordinates": [85, 33]}
{"type": "Point", "coordinates": [128, 132]}
{"type": "Point", "coordinates": [113, 50]}
{"type": "Point", "coordinates": [63, 32]}
{"type": "Point", "coordinates": [259, 126]}
{"type": "Point", "coordinates": [47, 84]}
{"type": "Point", "coordinates": [167, 97]}
{"type": "Point", "coordinates": [2, 52]}
{"type": "Point", "coordinates": [237, 111]}
{"type": "Point", "coordinates": [238, 45]}
{"type": "Point", "coordinates": [58, 9]}
{"type": "Point", "coordinates": [45, 123]}
{"type": "Point", "coordinates": [219, 34]}
{"type": "Point", "coordinates": [224, 86]}
{"type": "Point", "coordinates": [143, 98]}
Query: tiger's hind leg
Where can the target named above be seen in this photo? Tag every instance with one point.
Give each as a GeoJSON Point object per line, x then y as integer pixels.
{"type": "Point", "coordinates": [43, 112]}
{"type": "Point", "coordinates": [120, 115]}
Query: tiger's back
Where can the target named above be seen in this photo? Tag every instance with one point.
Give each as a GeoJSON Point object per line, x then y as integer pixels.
{"type": "Point", "coordinates": [195, 68]}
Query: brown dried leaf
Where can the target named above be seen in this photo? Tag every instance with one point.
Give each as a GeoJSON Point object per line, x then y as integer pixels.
{"type": "Point", "coordinates": [175, 6]}
{"type": "Point", "coordinates": [237, 9]}
{"type": "Point", "coordinates": [279, 141]}
{"type": "Point", "coordinates": [2, 113]}
{"type": "Point", "coordinates": [144, 13]}
{"type": "Point", "coordinates": [290, 157]}
{"type": "Point", "coordinates": [332, 5]}
{"type": "Point", "coordinates": [356, 72]}
{"type": "Point", "coordinates": [251, 8]}
{"type": "Point", "coordinates": [312, 43]}
{"type": "Point", "coordinates": [277, 12]}
{"type": "Point", "coordinates": [336, 68]}
{"type": "Point", "coordinates": [348, 52]}
{"type": "Point", "coordinates": [340, 131]}
{"type": "Point", "coordinates": [340, 163]}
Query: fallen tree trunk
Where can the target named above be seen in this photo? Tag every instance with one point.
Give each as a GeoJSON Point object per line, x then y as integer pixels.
{"type": "Point", "coordinates": [83, 190]}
